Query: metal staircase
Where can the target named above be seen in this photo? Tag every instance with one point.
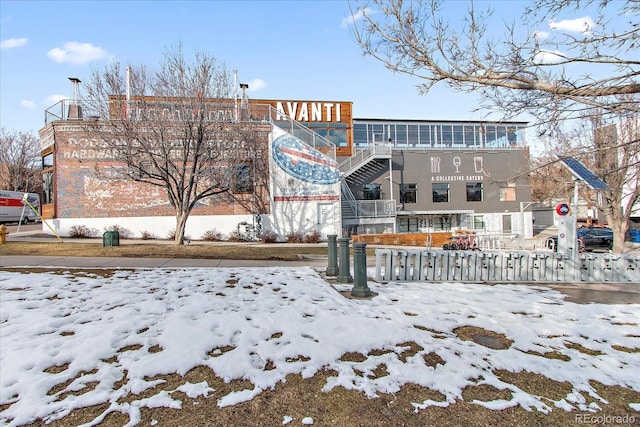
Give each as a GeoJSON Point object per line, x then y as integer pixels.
{"type": "Point", "coordinates": [364, 156]}
{"type": "Point", "coordinates": [365, 162]}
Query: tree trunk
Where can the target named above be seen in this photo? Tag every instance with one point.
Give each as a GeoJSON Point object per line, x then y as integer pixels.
{"type": "Point", "coordinates": [620, 228]}
{"type": "Point", "coordinates": [181, 224]}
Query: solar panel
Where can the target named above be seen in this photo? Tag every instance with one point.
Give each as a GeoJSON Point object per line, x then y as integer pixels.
{"type": "Point", "coordinates": [581, 172]}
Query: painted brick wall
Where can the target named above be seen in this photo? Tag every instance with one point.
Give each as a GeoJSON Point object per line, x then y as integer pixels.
{"type": "Point", "coordinates": [83, 189]}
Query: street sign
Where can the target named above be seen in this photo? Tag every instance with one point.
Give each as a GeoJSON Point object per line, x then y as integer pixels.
{"type": "Point", "coordinates": [562, 209]}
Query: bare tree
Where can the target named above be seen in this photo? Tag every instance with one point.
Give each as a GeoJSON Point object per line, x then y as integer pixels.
{"type": "Point", "coordinates": [527, 69]}
{"type": "Point", "coordinates": [176, 129]}
{"type": "Point", "coordinates": [612, 152]}
{"type": "Point", "coordinates": [532, 66]}
{"type": "Point", "coordinates": [20, 162]}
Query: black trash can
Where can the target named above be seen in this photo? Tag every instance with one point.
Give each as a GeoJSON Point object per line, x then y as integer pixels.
{"type": "Point", "coordinates": [110, 238]}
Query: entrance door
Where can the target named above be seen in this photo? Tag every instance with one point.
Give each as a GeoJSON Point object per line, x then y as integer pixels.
{"type": "Point", "coordinates": [506, 223]}
{"type": "Point", "coordinates": [325, 223]}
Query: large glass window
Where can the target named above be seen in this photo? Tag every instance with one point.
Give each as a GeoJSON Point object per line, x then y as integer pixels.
{"type": "Point", "coordinates": [512, 136]}
{"type": "Point", "coordinates": [412, 134]}
{"type": "Point", "coordinates": [458, 135]}
{"type": "Point", "coordinates": [359, 134]}
{"type": "Point", "coordinates": [338, 137]}
{"type": "Point", "coordinates": [332, 132]}
{"type": "Point", "coordinates": [490, 136]}
{"type": "Point", "coordinates": [441, 223]}
{"type": "Point", "coordinates": [440, 192]}
{"type": "Point", "coordinates": [425, 135]}
{"type": "Point", "coordinates": [377, 133]}
{"type": "Point", "coordinates": [474, 191]}
{"type": "Point", "coordinates": [401, 135]}
{"type": "Point", "coordinates": [478, 222]}
{"type": "Point", "coordinates": [447, 135]}
{"type": "Point", "coordinates": [469, 136]}
{"type": "Point", "coordinates": [371, 192]}
{"type": "Point", "coordinates": [408, 193]}
{"type": "Point", "coordinates": [407, 224]}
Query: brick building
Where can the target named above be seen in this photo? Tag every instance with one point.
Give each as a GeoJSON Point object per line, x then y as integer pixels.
{"type": "Point", "coordinates": [327, 172]}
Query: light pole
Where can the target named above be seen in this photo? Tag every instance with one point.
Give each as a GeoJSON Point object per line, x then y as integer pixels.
{"type": "Point", "coordinates": [522, 229]}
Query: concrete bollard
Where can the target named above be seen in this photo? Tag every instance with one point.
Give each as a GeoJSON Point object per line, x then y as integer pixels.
{"type": "Point", "coordinates": [360, 288]}
{"type": "Point", "coordinates": [344, 275]}
{"type": "Point", "coordinates": [332, 252]}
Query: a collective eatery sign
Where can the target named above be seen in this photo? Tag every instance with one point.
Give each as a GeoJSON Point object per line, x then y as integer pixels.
{"type": "Point", "coordinates": [562, 209]}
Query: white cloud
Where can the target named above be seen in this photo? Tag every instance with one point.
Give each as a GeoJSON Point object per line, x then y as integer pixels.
{"type": "Point", "coordinates": [257, 84]}
{"type": "Point", "coordinates": [27, 105]}
{"type": "Point", "coordinates": [548, 57]}
{"type": "Point", "coordinates": [578, 25]}
{"type": "Point", "coordinates": [77, 53]}
{"type": "Point", "coordinates": [13, 43]}
{"type": "Point", "coordinates": [356, 16]}
{"type": "Point", "coordinates": [54, 99]}
{"type": "Point", "coordinates": [540, 35]}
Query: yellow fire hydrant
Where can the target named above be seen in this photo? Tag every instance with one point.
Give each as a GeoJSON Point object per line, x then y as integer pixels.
{"type": "Point", "coordinates": [3, 234]}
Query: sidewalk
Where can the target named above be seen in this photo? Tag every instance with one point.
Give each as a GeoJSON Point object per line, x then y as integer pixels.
{"type": "Point", "coordinates": [606, 293]}
{"type": "Point", "coordinates": [117, 262]}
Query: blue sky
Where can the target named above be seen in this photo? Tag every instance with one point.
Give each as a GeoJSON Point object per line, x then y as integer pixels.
{"type": "Point", "coordinates": [282, 49]}
{"type": "Point", "coordinates": [286, 50]}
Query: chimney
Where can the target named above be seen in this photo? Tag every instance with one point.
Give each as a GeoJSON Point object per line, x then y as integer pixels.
{"type": "Point", "coordinates": [75, 110]}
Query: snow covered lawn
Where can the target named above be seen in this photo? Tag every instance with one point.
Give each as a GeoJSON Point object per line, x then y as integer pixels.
{"type": "Point", "coordinates": [75, 340]}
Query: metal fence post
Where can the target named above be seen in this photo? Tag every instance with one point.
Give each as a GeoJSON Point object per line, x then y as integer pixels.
{"type": "Point", "coordinates": [344, 275]}
{"type": "Point", "coordinates": [332, 252]}
{"type": "Point", "coordinates": [360, 288]}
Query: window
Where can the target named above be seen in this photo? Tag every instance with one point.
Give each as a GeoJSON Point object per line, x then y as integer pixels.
{"type": "Point", "coordinates": [447, 135]}
{"type": "Point", "coordinates": [469, 136]}
{"type": "Point", "coordinates": [401, 135]}
{"type": "Point", "coordinates": [425, 135]}
{"type": "Point", "coordinates": [334, 132]}
{"type": "Point", "coordinates": [458, 135]}
{"type": "Point", "coordinates": [360, 134]}
{"type": "Point", "coordinates": [408, 193]}
{"type": "Point", "coordinates": [440, 192]}
{"type": "Point", "coordinates": [371, 192]}
{"type": "Point", "coordinates": [47, 161]}
{"type": "Point", "coordinates": [474, 191]}
{"type": "Point", "coordinates": [478, 222]}
{"type": "Point", "coordinates": [408, 224]}
{"type": "Point", "coordinates": [412, 134]}
{"type": "Point", "coordinates": [242, 179]}
{"type": "Point", "coordinates": [508, 193]}
{"type": "Point", "coordinates": [441, 223]}
{"type": "Point", "coordinates": [47, 187]}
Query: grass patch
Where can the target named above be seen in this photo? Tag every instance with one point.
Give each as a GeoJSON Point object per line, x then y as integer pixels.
{"type": "Point", "coordinates": [242, 251]}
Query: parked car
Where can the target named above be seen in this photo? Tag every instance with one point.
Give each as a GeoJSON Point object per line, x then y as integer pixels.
{"type": "Point", "coordinates": [552, 243]}
{"type": "Point", "coordinates": [596, 236]}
